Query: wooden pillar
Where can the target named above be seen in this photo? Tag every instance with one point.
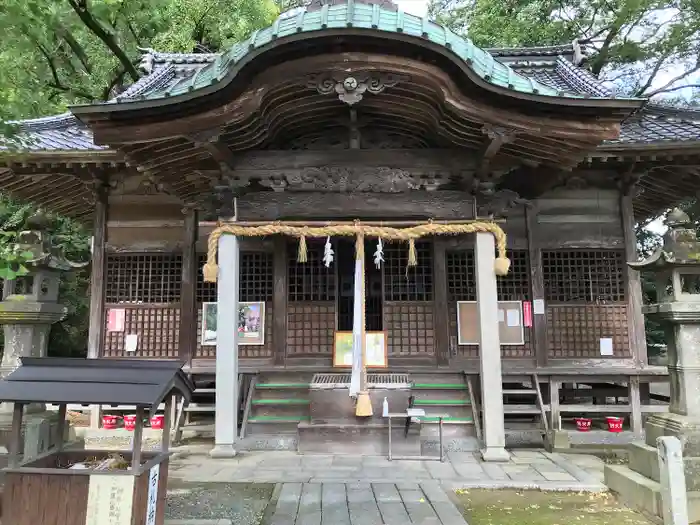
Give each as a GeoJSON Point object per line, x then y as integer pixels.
{"type": "Point", "coordinates": [635, 317]}
{"type": "Point", "coordinates": [440, 308]}
{"type": "Point", "coordinates": [188, 299]}
{"type": "Point", "coordinates": [279, 301]}
{"type": "Point", "coordinates": [539, 317]}
{"type": "Point", "coordinates": [96, 329]}
{"type": "Point", "coordinates": [226, 415]}
{"type": "Point", "coordinates": [489, 350]}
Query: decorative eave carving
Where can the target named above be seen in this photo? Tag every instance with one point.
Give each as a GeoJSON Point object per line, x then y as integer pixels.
{"type": "Point", "coordinates": [350, 88]}
{"type": "Point", "coordinates": [344, 179]}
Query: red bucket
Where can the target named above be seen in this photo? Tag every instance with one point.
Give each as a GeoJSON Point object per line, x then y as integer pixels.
{"type": "Point", "coordinates": [583, 424]}
{"type": "Point", "coordinates": [614, 424]}
{"type": "Point", "coordinates": [109, 422]}
{"type": "Point", "coordinates": [130, 422]}
{"type": "Point", "coordinates": [157, 422]}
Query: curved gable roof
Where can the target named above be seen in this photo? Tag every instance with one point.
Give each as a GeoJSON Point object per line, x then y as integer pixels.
{"type": "Point", "coordinates": [355, 19]}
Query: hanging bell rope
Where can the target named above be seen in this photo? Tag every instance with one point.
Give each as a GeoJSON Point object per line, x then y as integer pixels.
{"type": "Point", "coordinates": [407, 234]}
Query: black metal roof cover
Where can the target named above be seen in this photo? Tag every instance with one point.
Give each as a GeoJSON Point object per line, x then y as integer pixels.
{"type": "Point", "coordinates": [95, 381]}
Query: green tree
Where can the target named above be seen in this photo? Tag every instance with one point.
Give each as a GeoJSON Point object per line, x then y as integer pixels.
{"type": "Point", "coordinates": [64, 52]}
{"type": "Point", "coordinates": [645, 47]}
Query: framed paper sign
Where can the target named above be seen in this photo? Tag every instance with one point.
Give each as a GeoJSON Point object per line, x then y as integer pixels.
{"type": "Point", "coordinates": [251, 324]}
{"type": "Point", "coordinates": [375, 351]}
{"type": "Point", "coordinates": [510, 323]}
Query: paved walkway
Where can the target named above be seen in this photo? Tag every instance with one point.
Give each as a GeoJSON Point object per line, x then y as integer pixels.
{"type": "Point", "coordinates": [364, 504]}
{"type": "Point", "coordinates": [526, 469]}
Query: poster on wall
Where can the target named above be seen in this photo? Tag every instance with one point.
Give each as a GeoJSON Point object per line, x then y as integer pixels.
{"type": "Point", "coordinates": [510, 323]}
{"type": "Point", "coordinates": [375, 350]}
{"type": "Point", "coordinates": [251, 324]}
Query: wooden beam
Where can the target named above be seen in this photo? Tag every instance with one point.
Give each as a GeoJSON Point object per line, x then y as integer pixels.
{"type": "Point", "coordinates": [442, 323]}
{"type": "Point", "coordinates": [635, 317]}
{"type": "Point", "coordinates": [188, 299]}
{"type": "Point", "coordinates": [97, 274]}
{"type": "Point", "coordinates": [539, 321]}
{"type": "Point", "coordinates": [279, 300]}
{"type": "Point", "coordinates": [210, 141]}
{"type": "Point", "coordinates": [497, 137]}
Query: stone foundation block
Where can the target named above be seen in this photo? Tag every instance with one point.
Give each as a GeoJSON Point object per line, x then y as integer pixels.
{"type": "Point", "coordinates": [644, 460]}
{"type": "Point", "coordinates": [634, 490]}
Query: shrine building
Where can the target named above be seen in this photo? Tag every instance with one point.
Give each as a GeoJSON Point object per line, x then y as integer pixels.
{"type": "Point", "coordinates": [350, 129]}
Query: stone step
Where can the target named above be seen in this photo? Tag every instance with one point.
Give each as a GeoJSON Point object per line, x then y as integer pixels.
{"type": "Point", "coordinates": [634, 490]}
{"type": "Point", "coordinates": [644, 460]}
{"type": "Point", "coordinates": [280, 401]}
{"type": "Point", "coordinates": [439, 386]}
{"type": "Point", "coordinates": [282, 386]}
{"type": "Point", "coordinates": [357, 439]}
{"type": "Point", "coordinates": [442, 402]}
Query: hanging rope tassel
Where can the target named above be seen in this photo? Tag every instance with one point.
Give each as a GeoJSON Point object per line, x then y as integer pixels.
{"type": "Point", "coordinates": [211, 269]}
{"type": "Point", "coordinates": [501, 266]}
{"type": "Point", "coordinates": [302, 256]}
{"type": "Point", "coordinates": [412, 256]}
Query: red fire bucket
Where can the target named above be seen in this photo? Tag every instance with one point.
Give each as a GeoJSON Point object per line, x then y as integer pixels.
{"type": "Point", "coordinates": [614, 424]}
{"type": "Point", "coordinates": [130, 422]}
{"type": "Point", "coordinates": [109, 422]}
{"type": "Point", "coordinates": [157, 422]}
{"type": "Point", "coordinates": [583, 424]}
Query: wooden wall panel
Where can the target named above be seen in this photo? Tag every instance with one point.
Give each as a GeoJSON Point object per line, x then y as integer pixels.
{"type": "Point", "coordinates": [310, 329]}
{"type": "Point", "coordinates": [410, 328]}
{"type": "Point", "coordinates": [157, 327]}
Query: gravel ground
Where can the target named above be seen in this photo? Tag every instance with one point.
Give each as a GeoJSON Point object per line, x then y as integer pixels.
{"type": "Point", "coordinates": [243, 503]}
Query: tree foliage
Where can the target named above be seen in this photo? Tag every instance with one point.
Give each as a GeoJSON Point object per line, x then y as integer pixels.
{"type": "Point", "coordinates": [643, 47]}
{"type": "Point", "coordinates": [69, 337]}
{"type": "Point", "coordinates": [63, 52]}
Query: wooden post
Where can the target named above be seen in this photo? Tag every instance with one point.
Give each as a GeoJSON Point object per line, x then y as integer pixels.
{"type": "Point", "coordinates": [188, 299]}
{"type": "Point", "coordinates": [279, 301]}
{"type": "Point", "coordinates": [167, 423]}
{"type": "Point", "coordinates": [635, 317]}
{"type": "Point", "coordinates": [440, 308]}
{"type": "Point", "coordinates": [96, 328]}
{"type": "Point", "coordinates": [554, 414]}
{"type": "Point", "coordinates": [16, 435]}
{"type": "Point", "coordinates": [137, 437]}
{"type": "Point", "coordinates": [635, 406]}
{"type": "Point", "coordinates": [539, 320]}
{"type": "Point", "coordinates": [61, 425]}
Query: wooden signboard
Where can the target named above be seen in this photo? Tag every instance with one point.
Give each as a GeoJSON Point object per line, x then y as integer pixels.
{"type": "Point", "coordinates": [251, 323]}
{"type": "Point", "coordinates": [510, 323]}
{"type": "Point", "coordinates": [375, 352]}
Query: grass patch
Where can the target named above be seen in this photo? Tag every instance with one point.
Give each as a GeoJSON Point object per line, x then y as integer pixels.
{"type": "Point", "coordinates": [511, 507]}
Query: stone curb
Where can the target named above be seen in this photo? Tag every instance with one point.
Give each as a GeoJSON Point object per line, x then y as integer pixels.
{"type": "Point", "coordinates": [545, 486]}
{"type": "Point", "coordinates": [572, 469]}
{"type": "Point", "coordinates": [222, 521]}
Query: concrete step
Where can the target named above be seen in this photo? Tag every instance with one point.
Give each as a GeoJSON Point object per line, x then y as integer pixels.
{"type": "Point", "coordinates": [644, 460]}
{"type": "Point", "coordinates": [442, 402]}
{"type": "Point", "coordinates": [280, 401]}
{"type": "Point", "coordinates": [634, 490]}
{"type": "Point", "coordinates": [357, 439]}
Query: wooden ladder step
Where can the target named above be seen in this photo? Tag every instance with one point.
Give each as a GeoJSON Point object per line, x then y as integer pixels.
{"type": "Point", "coordinates": [278, 419]}
{"type": "Point", "coordinates": [204, 391]}
{"type": "Point", "coordinates": [520, 391]}
{"type": "Point", "coordinates": [282, 385]}
{"type": "Point", "coordinates": [439, 386]}
{"type": "Point", "coordinates": [442, 402]}
{"type": "Point", "coordinates": [448, 420]}
{"type": "Point", "coordinates": [281, 402]}
{"type": "Point", "coordinates": [521, 409]}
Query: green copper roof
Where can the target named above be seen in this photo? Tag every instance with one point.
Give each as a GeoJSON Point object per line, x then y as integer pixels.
{"type": "Point", "coordinates": [372, 18]}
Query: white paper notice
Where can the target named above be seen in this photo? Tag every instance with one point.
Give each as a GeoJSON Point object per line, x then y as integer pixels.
{"type": "Point", "coordinates": [110, 500]}
{"type": "Point", "coordinates": [152, 506]}
{"type": "Point", "coordinates": [501, 315]}
{"type": "Point", "coordinates": [131, 341]}
{"type": "Point", "coordinates": [513, 317]}
{"type": "Point", "coordinates": [606, 346]}
{"type": "Point", "coordinates": [538, 306]}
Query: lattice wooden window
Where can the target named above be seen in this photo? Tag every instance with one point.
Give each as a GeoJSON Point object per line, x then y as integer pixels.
{"type": "Point", "coordinates": [410, 328]}
{"type": "Point", "coordinates": [256, 279]}
{"type": "Point", "coordinates": [310, 280]}
{"type": "Point", "coordinates": [310, 328]}
{"type": "Point", "coordinates": [575, 330]}
{"type": "Point", "coordinates": [157, 328]}
{"type": "Point", "coordinates": [584, 276]}
{"type": "Point", "coordinates": [461, 277]}
{"type": "Point", "coordinates": [143, 278]}
{"type": "Point", "coordinates": [404, 283]}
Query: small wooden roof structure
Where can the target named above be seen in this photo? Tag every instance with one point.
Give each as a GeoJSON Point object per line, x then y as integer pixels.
{"type": "Point", "coordinates": [96, 381]}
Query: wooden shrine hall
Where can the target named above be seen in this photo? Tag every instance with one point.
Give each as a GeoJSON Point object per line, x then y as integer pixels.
{"type": "Point", "coordinates": [339, 132]}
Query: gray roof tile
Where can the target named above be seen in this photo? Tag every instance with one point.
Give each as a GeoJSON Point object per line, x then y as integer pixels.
{"type": "Point", "coordinates": [548, 65]}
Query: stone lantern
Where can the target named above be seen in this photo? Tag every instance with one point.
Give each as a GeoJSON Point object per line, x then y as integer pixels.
{"type": "Point", "coordinates": [676, 266]}
{"type": "Point", "coordinates": [28, 308]}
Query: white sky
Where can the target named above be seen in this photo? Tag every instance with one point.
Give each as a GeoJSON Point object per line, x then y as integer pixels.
{"type": "Point", "coordinates": [415, 7]}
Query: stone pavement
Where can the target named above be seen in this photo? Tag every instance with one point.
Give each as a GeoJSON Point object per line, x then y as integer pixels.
{"type": "Point", "coordinates": [364, 504]}
{"type": "Point", "coordinates": [527, 469]}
